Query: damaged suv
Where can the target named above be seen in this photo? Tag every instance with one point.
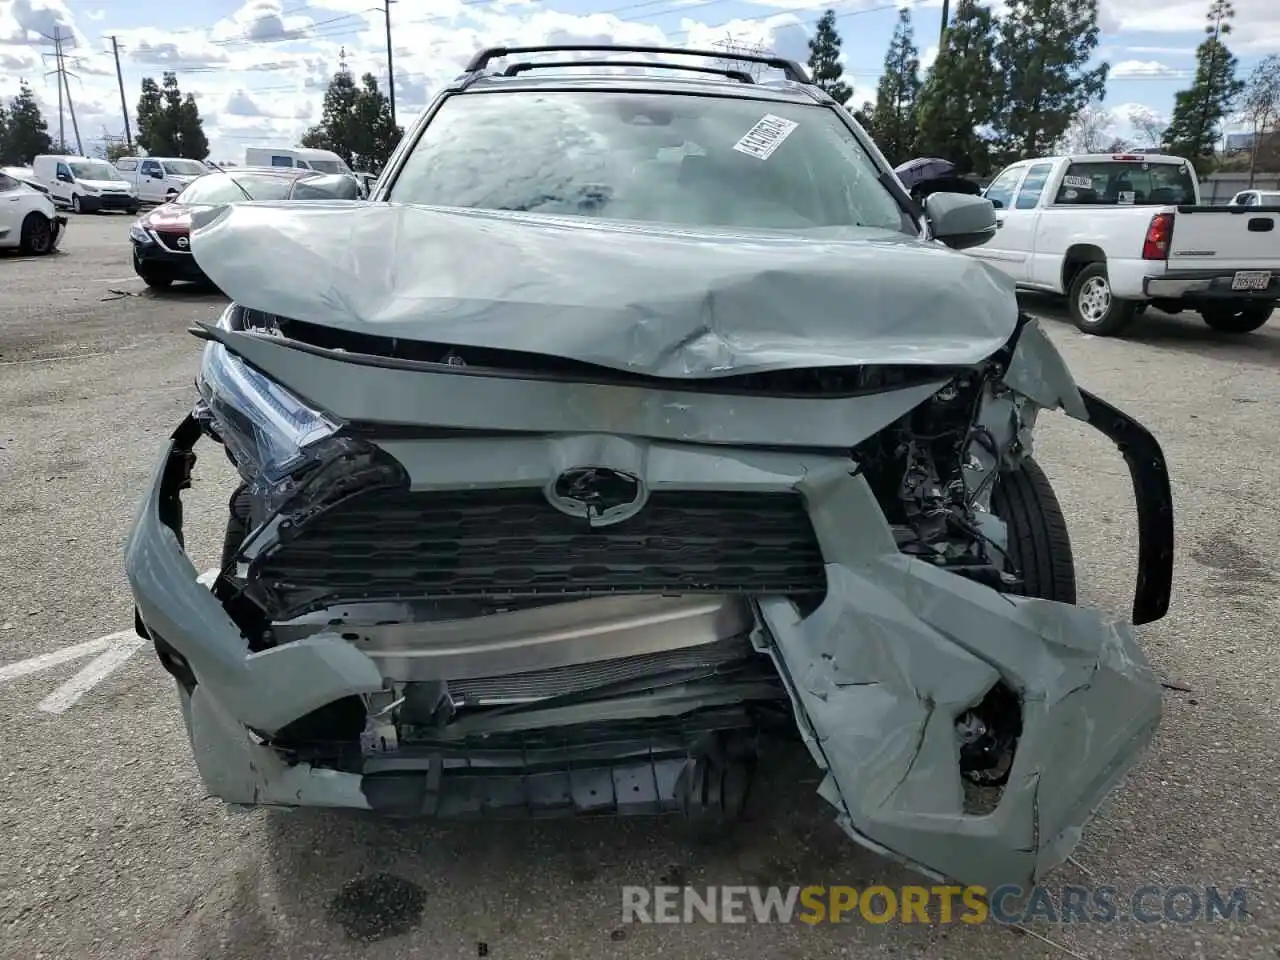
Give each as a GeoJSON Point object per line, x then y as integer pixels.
{"type": "Point", "coordinates": [633, 418]}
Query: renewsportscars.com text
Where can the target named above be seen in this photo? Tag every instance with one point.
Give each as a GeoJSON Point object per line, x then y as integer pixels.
{"type": "Point", "coordinates": [932, 904]}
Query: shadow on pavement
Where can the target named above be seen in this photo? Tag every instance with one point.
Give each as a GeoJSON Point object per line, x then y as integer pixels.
{"type": "Point", "coordinates": [360, 885]}
{"type": "Point", "coordinates": [1184, 332]}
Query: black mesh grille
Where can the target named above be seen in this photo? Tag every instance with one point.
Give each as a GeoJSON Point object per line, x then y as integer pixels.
{"type": "Point", "coordinates": [513, 544]}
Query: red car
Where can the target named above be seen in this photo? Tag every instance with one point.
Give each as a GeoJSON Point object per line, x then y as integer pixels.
{"type": "Point", "coordinates": [162, 238]}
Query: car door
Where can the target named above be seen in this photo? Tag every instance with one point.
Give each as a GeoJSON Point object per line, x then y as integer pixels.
{"type": "Point", "coordinates": [1017, 225]}
{"type": "Point", "coordinates": [150, 181]}
{"type": "Point", "coordinates": [63, 183]}
{"type": "Point", "coordinates": [997, 250]}
{"type": "Point", "coordinates": [11, 211]}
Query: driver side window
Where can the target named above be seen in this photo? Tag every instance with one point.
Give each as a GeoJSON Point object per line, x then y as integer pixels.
{"type": "Point", "coordinates": [64, 172]}
{"type": "Point", "coordinates": [1000, 193]}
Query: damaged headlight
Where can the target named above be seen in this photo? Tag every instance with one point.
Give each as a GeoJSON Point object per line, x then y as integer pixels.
{"type": "Point", "coordinates": [269, 432]}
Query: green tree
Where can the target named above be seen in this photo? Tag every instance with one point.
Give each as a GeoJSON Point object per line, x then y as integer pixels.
{"type": "Point", "coordinates": [1195, 127]}
{"type": "Point", "coordinates": [1260, 106]}
{"type": "Point", "coordinates": [25, 134]}
{"type": "Point", "coordinates": [894, 120]}
{"type": "Point", "coordinates": [959, 94]}
{"type": "Point", "coordinates": [335, 131]}
{"type": "Point", "coordinates": [169, 124]}
{"type": "Point", "coordinates": [355, 123]}
{"type": "Point", "coordinates": [1042, 75]}
{"type": "Point", "coordinates": [824, 59]}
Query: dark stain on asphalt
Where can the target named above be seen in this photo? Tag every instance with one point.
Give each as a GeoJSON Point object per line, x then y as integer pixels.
{"type": "Point", "coordinates": [378, 906]}
{"type": "Point", "coordinates": [1236, 570]}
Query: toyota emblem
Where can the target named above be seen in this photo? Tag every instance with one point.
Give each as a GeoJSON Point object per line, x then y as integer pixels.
{"type": "Point", "coordinates": [183, 242]}
{"type": "Point", "coordinates": [599, 495]}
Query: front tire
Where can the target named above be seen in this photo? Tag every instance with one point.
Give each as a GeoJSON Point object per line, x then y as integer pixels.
{"type": "Point", "coordinates": [37, 235]}
{"type": "Point", "coordinates": [1039, 546]}
{"type": "Point", "coordinates": [75, 204]}
{"type": "Point", "coordinates": [1241, 319]}
{"type": "Point", "coordinates": [1093, 308]}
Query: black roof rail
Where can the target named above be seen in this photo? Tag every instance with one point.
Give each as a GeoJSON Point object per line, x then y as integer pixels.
{"type": "Point", "coordinates": [792, 70]}
{"type": "Point", "coordinates": [523, 66]}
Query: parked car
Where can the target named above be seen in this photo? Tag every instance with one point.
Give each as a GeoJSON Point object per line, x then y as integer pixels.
{"type": "Point", "coordinates": [28, 220]}
{"type": "Point", "coordinates": [159, 179]}
{"type": "Point", "coordinates": [1256, 198]}
{"type": "Point", "coordinates": [323, 161]}
{"type": "Point", "coordinates": [27, 176]}
{"type": "Point", "coordinates": [84, 184]}
{"type": "Point", "coordinates": [1116, 232]}
{"type": "Point", "coordinates": [568, 474]}
{"type": "Point", "coordinates": [161, 238]}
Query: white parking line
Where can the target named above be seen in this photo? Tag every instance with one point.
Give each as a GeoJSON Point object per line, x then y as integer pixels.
{"type": "Point", "coordinates": [112, 652]}
{"type": "Point", "coordinates": [124, 645]}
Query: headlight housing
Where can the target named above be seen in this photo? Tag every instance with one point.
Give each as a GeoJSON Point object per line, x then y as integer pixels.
{"type": "Point", "coordinates": [270, 434]}
{"type": "Point", "coordinates": [138, 234]}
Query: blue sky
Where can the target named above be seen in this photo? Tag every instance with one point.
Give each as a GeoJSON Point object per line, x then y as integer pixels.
{"type": "Point", "coordinates": [259, 68]}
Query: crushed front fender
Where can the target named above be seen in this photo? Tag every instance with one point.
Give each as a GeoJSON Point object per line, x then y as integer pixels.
{"type": "Point", "coordinates": [882, 673]}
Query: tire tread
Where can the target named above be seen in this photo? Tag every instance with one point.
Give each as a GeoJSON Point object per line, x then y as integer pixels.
{"type": "Point", "coordinates": [1039, 543]}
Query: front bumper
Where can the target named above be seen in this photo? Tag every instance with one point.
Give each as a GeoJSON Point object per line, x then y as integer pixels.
{"type": "Point", "coordinates": [58, 224]}
{"type": "Point", "coordinates": [1207, 286]}
{"type": "Point", "coordinates": [156, 258]}
{"type": "Point", "coordinates": [877, 675]}
{"type": "Point", "coordinates": [94, 203]}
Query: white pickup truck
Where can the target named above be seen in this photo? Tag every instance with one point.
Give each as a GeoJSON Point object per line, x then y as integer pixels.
{"type": "Point", "coordinates": [159, 179]}
{"type": "Point", "coordinates": [1117, 232]}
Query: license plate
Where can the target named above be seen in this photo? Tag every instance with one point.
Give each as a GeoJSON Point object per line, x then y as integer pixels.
{"type": "Point", "coordinates": [1251, 280]}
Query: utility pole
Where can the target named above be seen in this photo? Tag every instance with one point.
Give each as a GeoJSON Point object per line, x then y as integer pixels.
{"type": "Point", "coordinates": [62, 70]}
{"type": "Point", "coordinates": [942, 30]}
{"type": "Point", "coordinates": [124, 106]}
{"type": "Point", "coordinates": [63, 87]}
{"type": "Point", "coordinates": [391, 70]}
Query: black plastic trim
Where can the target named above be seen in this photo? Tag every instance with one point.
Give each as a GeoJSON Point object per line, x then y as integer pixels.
{"type": "Point", "coordinates": [1154, 498]}
{"type": "Point", "coordinates": [792, 70]}
{"type": "Point", "coordinates": [523, 67]}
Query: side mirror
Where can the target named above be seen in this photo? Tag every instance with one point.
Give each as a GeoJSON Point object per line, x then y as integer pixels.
{"type": "Point", "coordinates": [66, 178]}
{"type": "Point", "coordinates": [157, 175]}
{"type": "Point", "coordinates": [998, 204]}
{"type": "Point", "coordinates": [959, 220]}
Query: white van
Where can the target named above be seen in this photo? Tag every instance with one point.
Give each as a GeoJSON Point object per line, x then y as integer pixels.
{"type": "Point", "coordinates": [160, 179]}
{"type": "Point", "coordinates": [323, 161]}
{"type": "Point", "coordinates": [84, 184]}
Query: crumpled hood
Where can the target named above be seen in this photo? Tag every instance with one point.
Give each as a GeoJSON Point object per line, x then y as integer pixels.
{"type": "Point", "coordinates": [658, 300]}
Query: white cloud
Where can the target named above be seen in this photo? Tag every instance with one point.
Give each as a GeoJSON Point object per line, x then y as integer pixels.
{"type": "Point", "coordinates": [261, 71]}
{"type": "Point", "coordinates": [926, 59]}
{"type": "Point", "coordinates": [1257, 22]}
{"type": "Point", "coordinates": [1141, 68]}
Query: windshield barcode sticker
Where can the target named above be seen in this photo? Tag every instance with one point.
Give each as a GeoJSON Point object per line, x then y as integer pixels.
{"type": "Point", "coordinates": [765, 137]}
{"type": "Point", "coordinates": [1084, 183]}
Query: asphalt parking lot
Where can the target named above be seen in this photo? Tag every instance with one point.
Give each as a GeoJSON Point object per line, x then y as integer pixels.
{"type": "Point", "coordinates": [112, 851]}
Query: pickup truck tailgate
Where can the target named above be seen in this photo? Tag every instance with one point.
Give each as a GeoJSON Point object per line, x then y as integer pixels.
{"type": "Point", "coordinates": [1245, 238]}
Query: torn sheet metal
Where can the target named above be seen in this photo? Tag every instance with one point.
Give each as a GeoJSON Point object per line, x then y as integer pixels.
{"type": "Point", "coordinates": [899, 651]}
{"type": "Point", "coordinates": [663, 301]}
